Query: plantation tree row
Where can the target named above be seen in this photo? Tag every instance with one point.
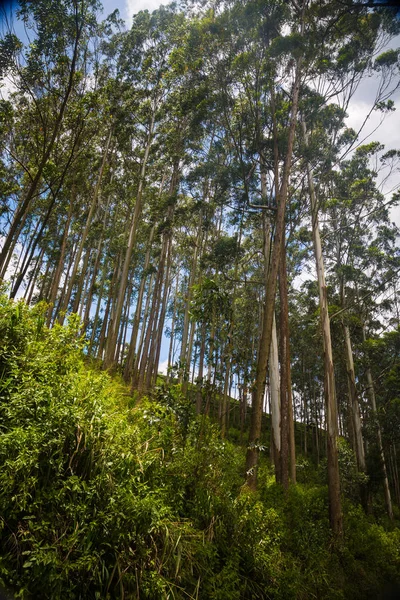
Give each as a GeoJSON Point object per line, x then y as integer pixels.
{"type": "Point", "coordinates": [170, 183]}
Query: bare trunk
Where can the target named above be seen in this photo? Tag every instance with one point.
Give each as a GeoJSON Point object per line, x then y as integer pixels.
{"type": "Point", "coordinates": [85, 232]}
{"type": "Point", "coordinates": [98, 306]}
{"type": "Point", "coordinates": [137, 214]}
{"type": "Point", "coordinates": [275, 401]}
{"type": "Point", "coordinates": [269, 303]}
{"type": "Point", "coordinates": [287, 428]}
{"type": "Point", "coordinates": [396, 473]}
{"type": "Point", "coordinates": [83, 280]}
{"type": "Point", "coordinates": [139, 304]}
{"type": "Point", "coordinates": [186, 319]}
{"type": "Point", "coordinates": [60, 265]}
{"type": "Point", "coordinates": [90, 293]}
{"type": "Point", "coordinates": [371, 395]}
{"type": "Point", "coordinates": [139, 353]}
{"type": "Point", "coordinates": [146, 365]}
{"type": "Point", "coordinates": [188, 358]}
{"type": "Point", "coordinates": [199, 392]}
{"type": "Point", "coordinates": [173, 320]}
{"type": "Point", "coordinates": [355, 407]}
{"type": "Point", "coordinates": [292, 441]}
{"type": "Point", "coordinates": [335, 505]}
{"type": "Point", "coordinates": [35, 274]}
{"type": "Point", "coordinates": [112, 291]}
{"type": "Point", "coordinates": [160, 326]}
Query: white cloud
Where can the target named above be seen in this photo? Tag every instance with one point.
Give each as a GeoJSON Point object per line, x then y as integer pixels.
{"type": "Point", "coordinates": [134, 6]}
{"type": "Point", "coordinates": [162, 367]}
{"type": "Point", "coordinates": [7, 87]}
{"type": "Point", "coordinates": [386, 133]}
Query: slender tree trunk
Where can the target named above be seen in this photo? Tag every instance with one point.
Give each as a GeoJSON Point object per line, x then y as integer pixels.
{"type": "Point", "coordinates": [46, 281]}
{"type": "Point", "coordinates": [150, 329]}
{"type": "Point", "coordinates": [269, 303]}
{"type": "Point", "coordinates": [371, 395]}
{"type": "Point", "coordinates": [149, 350]}
{"type": "Point", "coordinates": [287, 428]}
{"type": "Point", "coordinates": [396, 473]}
{"type": "Point", "coordinates": [108, 309]}
{"type": "Point", "coordinates": [137, 214]}
{"type": "Point", "coordinates": [355, 407]}
{"type": "Point", "coordinates": [70, 264]}
{"type": "Point", "coordinates": [275, 401]}
{"type": "Point", "coordinates": [292, 441]}
{"type": "Point", "coordinates": [9, 254]}
{"type": "Point", "coordinates": [123, 324]}
{"type": "Point", "coordinates": [229, 345]}
{"type": "Point", "coordinates": [316, 428]}
{"type": "Point", "coordinates": [211, 348]}
{"type": "Point", "coordinates": [83, 280]}
{"type": "Point", "coordinates": [186, 318]}
{"type": "Point", "coordinates": [188, 358]}
{"type": "Point", "coordinates": [199, 392]}
{"type": "Point", "coordinates": [85, 233]}
{"type": "Point", "coordinates": [160, 327]}
{"type": "Point", "coordinates": [60, 265]}
{"type": "Point", "coordinates": [35, 274]}
{"type": "Point", "coordinates": [153, 318]}
{"type": "Point", "coordinates": [139, 353]}
{"type": "Point", "coordinates": [98, 307]}
{"type": "Point", "coordinates": [335, 505]}
{"type": "Point", "coordinates": [173, 320]}
{"type": "Point", "coordinates": [24, 259]}
{"type": "Point", "coordinates": [90, 294]}
{"type": "Point", "coordinates": [103, 331]}
{"type": "Point", "coordinates": [86, 284]}
{"type": "Point", "coordinates": [139, 304]}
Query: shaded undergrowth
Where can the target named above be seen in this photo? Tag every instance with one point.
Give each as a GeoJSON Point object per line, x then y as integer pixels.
{"type": "Point", "coordinates": [100, 498]}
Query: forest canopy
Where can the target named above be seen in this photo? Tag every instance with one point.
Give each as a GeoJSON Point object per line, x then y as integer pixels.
{"type": "Point", "coordinates": [186, 214]}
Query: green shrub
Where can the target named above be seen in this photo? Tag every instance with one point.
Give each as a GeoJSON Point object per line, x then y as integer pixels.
{"type": "Point", "coordinates": [101, 498]}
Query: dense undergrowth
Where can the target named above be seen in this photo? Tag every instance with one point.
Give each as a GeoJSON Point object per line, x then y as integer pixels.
{"type": "Point", "coordinates": [102, 498]}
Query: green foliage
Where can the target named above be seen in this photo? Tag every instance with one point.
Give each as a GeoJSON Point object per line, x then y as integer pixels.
{"type": "Point", "coordinates": [387, 59]}
{"type": "Point", "coordinates": [9, 45]}
{"type": "Point", "coordinates": [100, 499]}
{"type": "Point", "coordinates": [351, 479]}
{"type": "Point", "coordinates": [364, 556]}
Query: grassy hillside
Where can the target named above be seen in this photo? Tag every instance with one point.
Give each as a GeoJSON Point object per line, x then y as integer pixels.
{"type": "Point", "coordinates": [103, 498]}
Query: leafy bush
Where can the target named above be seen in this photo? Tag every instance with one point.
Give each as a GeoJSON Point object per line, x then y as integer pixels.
{"type": "Point", "coordinates": [101, 498]}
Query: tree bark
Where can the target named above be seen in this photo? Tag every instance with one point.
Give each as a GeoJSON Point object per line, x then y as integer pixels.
{"type": "Point", "coordinates": [335, 505]}
{"type": "Point", "coordinates": [140, 348]}
{"type": "Point", "coordinates": [199, 392]}
{"type": "Point", "coordinates": [355, 407]}
{"type": "Point", "coordinates": [269, 303]}
{"type": "Point", "coordinates": [186, 319]}
{"type": "Point", "coordinates": [57, 276]}
{"type": "Point", "coordinates": [98, 306]}
{"type": "Point", "coordinates": [371, 395]}
{"type": "Point", "coordinates": [287, 429]}
{"type": "Point", "coordinates": [160, 327]}
{"type": "Point", "coordinates": [137, 214]}
{"type": "Point", "coordinates": [85, 233]}
{"type": "Point", "coordinates": [275, 400]}
{"type": "Point", "coordinates": [172, 337]}
{"type": "Point", "coordinates": [138, 311]}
